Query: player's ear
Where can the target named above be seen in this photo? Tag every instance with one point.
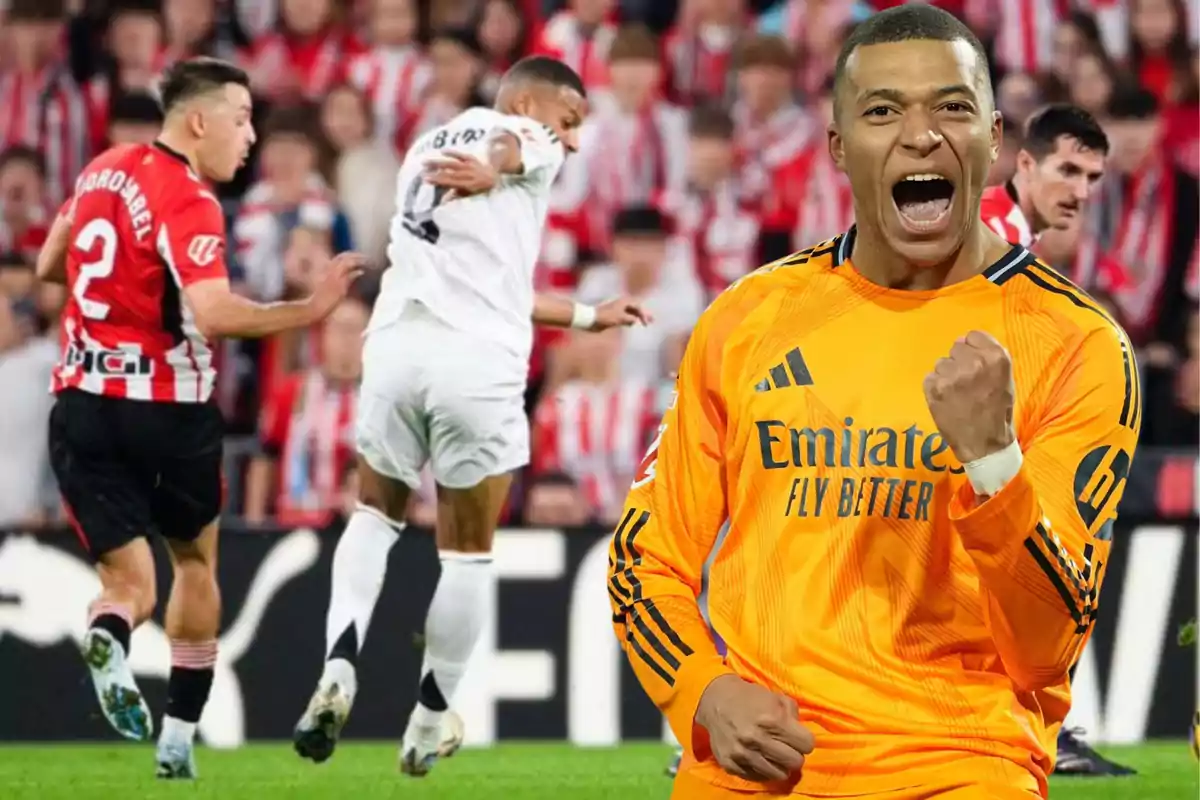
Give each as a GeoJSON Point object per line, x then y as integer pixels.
{"type": "Point", "coordinates": [997, 134]}
{"type": "Point", "coordinates": [195, 121]}
{"type": "Point", "coordinates": [1025, 160]}
{"type": "Point", "coordinates": [837, 147]}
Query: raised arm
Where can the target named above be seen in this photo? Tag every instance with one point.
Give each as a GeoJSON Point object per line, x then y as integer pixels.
{"type": "Point", "coordinates": [674, 512]}
{"type": "Point", "coordinates": [518, 146]}
{"type": "Point", "coordinates": [1037, 519]}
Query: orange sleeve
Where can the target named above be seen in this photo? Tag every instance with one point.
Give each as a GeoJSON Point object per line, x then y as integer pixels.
{"type": "Point", "coordinates": [1042, 542]}
{"type": "Point", "coordinates": [673, 515]}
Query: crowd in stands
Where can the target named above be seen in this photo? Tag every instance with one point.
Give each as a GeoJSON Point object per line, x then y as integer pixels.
{"type": "Point", "coordinates": [704, 156]}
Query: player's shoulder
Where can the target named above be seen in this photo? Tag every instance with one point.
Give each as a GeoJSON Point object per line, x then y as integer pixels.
{"type": "Point", "coordinates": [793, 271]}
{"type": "Point", "coordinates": [1042, 296]}
{"type": "Point", "coordinates": [787, 272]}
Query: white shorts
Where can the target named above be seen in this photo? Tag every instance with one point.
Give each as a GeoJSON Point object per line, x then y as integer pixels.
{"type": "Point", "coordinates": [433, 394]}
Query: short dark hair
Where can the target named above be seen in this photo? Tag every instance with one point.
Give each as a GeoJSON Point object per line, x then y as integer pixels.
{"type": "Point", "coordinates": [196, 76]}
{"type": "Point", "coordinates": [11, 259]}
{"type": "Point", "coordinates": [634, 42]}
{"type": "Point", "coordinates": [1048, 124]}
{"type": "Point", "coordinates": [300, 121]}
{"type": "Point", "coordinates": [904, 24]}
{"type": "Point", "coordinates": [710, 121]}
{"type": "Point", "coordinates": [1131, 101]}
{"type": "Point", "coordinates": [138, 108]}
{"type": "Point", "coordinates": [544, 69]}
{"type": "Point", "coordinates": [763, 50]}
{"type": "Point", "coordinates": [639, 221]}
{"type": "Point", "coordinates": [35, 11]}
{"type": "Point", "coordinates": [19, 153]}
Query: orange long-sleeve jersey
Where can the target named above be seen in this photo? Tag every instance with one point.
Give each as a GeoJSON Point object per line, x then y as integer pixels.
{"type": "Point", "coordinates": [800, 505]}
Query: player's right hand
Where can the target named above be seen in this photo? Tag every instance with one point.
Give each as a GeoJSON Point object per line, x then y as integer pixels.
{"type": "Point", "coordinates": [754, 733]}
{"type": "Point", "coordinates": [334, 281]}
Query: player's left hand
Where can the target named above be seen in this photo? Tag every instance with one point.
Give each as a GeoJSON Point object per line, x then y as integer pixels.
{"type": "Point", "coordinates": [462, 174]}
{"type": "Point", "coordinates": [970, 394]}
{"type": "Point", "coordinates": [621, 312]}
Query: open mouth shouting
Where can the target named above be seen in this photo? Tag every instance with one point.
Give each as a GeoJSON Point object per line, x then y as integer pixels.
{"type": "Point", "coordinates": [924, 201]}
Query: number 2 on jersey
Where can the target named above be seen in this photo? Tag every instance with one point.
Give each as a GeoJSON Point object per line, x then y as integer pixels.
{"type": "Point", "coordinates": [419, 202]}
{"type": "Point", "coordinates": [97, 232]}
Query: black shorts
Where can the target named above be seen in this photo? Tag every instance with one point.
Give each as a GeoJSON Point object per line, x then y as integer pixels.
{"type": "Point", "coordinates": [132, 468]}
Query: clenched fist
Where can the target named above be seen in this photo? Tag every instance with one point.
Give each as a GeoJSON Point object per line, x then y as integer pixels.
{"type": "Point", "coordinates": [970, 394]}
{"type": "Point", "coordinates": [754, 733]}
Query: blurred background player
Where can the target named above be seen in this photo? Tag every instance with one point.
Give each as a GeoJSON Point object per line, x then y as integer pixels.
{"type": "Point", "coordinates": [445, 363]}
{"type": "Point", "coordinates": [135, 441]}
{"type": "Point", "coordinates": [944, 602]}
{"type": "Point", "coordinates": [1058, 166]}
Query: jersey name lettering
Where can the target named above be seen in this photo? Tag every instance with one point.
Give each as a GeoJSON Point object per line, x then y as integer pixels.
{"type": "Point", "coordinates": [118, 182]}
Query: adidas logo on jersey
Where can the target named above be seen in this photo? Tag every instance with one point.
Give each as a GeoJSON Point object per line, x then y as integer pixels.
{"type": "Point", "coordinates": [792, 372]}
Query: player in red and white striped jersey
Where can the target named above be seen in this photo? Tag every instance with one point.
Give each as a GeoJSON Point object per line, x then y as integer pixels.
{"type": "Point", "coordinates": [134, 441]}
{"type": "Point", "coordinates": [1061, 160]}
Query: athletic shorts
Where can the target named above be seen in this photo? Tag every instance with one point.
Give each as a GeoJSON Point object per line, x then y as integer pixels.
{"type": "Point", "coordinates": [435, 395]}
{"type": "Point", "coordinates": [131, 468]}
{"type": "Point", "coordinates": [691, 788]}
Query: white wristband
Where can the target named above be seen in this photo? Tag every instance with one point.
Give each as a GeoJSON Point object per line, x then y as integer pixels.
{"type": "Point", "coordinates": [583, 316]}
{"type": "Point", "coordinates": [990, 474]}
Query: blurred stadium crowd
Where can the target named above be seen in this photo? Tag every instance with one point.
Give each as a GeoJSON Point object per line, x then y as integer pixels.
{"type": "Point", "coordinates": [705, 156]}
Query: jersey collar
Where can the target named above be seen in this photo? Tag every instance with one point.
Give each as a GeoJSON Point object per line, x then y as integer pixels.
{"type": "Point", "coordinates": [173, 153]}
{"type": "Point", "coordinates": [1009, 264]}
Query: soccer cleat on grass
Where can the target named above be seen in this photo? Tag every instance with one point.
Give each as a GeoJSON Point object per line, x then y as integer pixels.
{"type": "Point", "coordinates": [1076, 758]}
{"type": "Point", "coordinates": [175, 761]}
{"type": "Point", "coordinates": [423, 746]}
{"type": "Point", "coordinates": [673, 765]}
{"type": "Point", "coordinates": [317, 732]}
{"type": "Point", "coordinates": [120, 699]}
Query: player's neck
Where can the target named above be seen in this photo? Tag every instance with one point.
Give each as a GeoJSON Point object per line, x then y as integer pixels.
{"type": "Point", "coordinates": [173, 141]}
{"type": "Point", "coordinates": [1024, 198]}
{"type": "Point", "coordinates": [878, 263]}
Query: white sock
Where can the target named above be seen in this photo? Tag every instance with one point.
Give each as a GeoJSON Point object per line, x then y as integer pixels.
{"type": "Point", "coordinates": [460, 607]}
{"type": "Point", "coordinates": [359, 566]}
{"type": "Point", "coordinates": [176, 731]}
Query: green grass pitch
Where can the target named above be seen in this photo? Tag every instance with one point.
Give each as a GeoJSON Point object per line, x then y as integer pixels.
{"type": "Point", "coordinates": [361, 771]}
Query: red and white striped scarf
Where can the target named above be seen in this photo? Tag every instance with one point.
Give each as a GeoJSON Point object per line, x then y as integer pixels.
{"type": "Point", "coordinates": [698, 63]}
{"type": "Point", "coordinates": [279, 55]}
{"type": "Point", "coordinates": [394, 81]}
{"type": "Point", "coordinates": [584, 50]}
{"type": "Point", "coordinates": [722, 230]}
{"type": "Point", "coordinates": [47, 111]}
{"type": "Point", "coordinates": [318, 446]}
{"type": "Point", "coordinates": [627, 167]}
{"type": "Point", "coordinates": [764, 147]}
{"type": "Point", "coordinates": [1024, 30]}
{"type": "Point", "coordinates": [596, 434]}
{"type": "Point", "coordinates": [1127, 239]}
{"type": "Point", "coordinates": [826, 201]}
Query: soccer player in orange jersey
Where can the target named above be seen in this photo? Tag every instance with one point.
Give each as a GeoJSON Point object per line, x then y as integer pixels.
{"type": "Point", "coordinates": [888, 480]}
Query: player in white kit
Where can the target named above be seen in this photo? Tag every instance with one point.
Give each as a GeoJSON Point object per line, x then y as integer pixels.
{"type": "Point", "coordinates": [444, 371]}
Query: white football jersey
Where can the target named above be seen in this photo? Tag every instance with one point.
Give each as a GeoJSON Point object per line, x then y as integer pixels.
{"type": "Point", "coordinates": [471, 260]}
